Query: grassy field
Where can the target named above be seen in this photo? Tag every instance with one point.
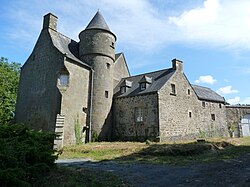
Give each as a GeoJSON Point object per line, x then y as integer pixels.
{"type": "Point", "coordinates": [161, 153]}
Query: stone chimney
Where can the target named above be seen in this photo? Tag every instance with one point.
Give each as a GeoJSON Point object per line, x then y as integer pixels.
{"type": "Point", "coordinates": [50, 21]}
{"type": "Point", "coordinates": [177, 65]}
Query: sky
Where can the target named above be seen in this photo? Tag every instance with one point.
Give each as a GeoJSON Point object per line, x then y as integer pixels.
{"type": "Point", "coordinates": [211, 37]}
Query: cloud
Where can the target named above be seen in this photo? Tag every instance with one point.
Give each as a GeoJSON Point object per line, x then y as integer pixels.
{"type": "Point", "coordinates": [234, 101]}
{"type": "Point", "coordinates": [139, 24]}
{"type": "Point", "coordinates": [238, 100]}
{"type": "Point", "coordinates": [227, 90]}
{"type": "Point", "coordinates": [208, 79]}
{"type": "Point", "coordinates": [223, 23]}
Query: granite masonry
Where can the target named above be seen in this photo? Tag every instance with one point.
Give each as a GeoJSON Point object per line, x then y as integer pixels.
{"type": "Point", "coordinates": [84, 92]}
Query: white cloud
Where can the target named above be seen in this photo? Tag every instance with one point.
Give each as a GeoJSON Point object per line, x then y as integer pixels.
{"type": "Point", "coordinates": [222, 23]}
{"type": "Point", "coordinates": [139, 24]}
{"type": "Point", "coordinates": [208, 79]}
{"type": "Point", "coordinates": [234, 101]}
{"type": "Point", "coordinates": [238, 100]}
{"type": "Point", "coordinates": [227, 90]}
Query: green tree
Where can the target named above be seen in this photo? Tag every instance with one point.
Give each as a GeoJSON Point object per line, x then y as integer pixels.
{"type": "Point", "coordinates": [9, 78]}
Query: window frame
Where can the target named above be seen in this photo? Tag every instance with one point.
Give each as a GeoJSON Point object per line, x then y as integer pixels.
{"type": "Point", "coordinates": [143, 86]}
{"type": "Point", "coordinates": [138, 114]}
{"type": "Point", "coordinates": [173, 89]}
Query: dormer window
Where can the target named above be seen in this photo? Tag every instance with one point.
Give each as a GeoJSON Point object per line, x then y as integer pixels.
{"type": "Point", "coordinates": [123, 89]}
{"type": "Point", "coordinates": [125, 85]}
{"type": "Point", "coordinates": [143, 86]}
{"type": "Point", "coordinates": [145, 82]}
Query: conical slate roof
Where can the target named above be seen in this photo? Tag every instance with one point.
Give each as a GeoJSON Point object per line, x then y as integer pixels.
{"type": "Point", "coordinates": [98, 22]}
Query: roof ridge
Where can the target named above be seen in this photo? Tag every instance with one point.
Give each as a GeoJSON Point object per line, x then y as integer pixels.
{"type": "Point", "coordinates": [148, 73]}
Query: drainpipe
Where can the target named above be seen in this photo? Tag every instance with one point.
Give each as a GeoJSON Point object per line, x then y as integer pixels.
{"type": "Point", "coordinates": [90, 105]}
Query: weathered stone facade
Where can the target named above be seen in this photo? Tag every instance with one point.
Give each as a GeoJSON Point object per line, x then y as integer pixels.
{"type": "Point", "coordinates": [83, 91]}
{"type": "Point", "coordinates": [125, 125]}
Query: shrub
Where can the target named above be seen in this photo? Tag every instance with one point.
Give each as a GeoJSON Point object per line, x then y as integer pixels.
{"type": "Point", "coordinates": [24, 154]}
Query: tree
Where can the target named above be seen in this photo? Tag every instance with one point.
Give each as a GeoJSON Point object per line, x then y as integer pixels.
{"type": "Point", "coordinates": [9, 79]}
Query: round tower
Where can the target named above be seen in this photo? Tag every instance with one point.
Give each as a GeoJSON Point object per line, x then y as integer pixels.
{"type": "Point", "coordinates": [97, 48]}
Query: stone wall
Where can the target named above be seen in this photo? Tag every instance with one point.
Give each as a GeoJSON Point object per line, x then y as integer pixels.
{"type": "Point", "coordinates": [38, 100]}
{"type": "Point", "coordinates": [234, 115]}
{"type": "Point", "coordinates": [74, 100]}
{"type": "Point", "coordinates": [182, 115]}
{"type": "Point", "coordinates": [125, 126]}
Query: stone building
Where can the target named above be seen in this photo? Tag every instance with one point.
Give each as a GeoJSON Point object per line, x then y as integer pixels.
{"type": "Point", "coordinates": [83, 91]}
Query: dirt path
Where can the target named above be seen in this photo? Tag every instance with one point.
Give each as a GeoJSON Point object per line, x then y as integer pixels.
{"type": "Point", "coordinates": [235, 172]}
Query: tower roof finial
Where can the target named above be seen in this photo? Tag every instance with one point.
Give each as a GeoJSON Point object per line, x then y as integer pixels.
{"type": "Point", "coordinates": [98, 22]}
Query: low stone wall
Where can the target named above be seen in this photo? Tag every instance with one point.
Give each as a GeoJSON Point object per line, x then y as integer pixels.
{"type": "Point", "coordinates": [234, 115]}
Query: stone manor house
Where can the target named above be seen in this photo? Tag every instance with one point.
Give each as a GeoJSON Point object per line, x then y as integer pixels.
{"type": "Point", "coordinates": [83, 91]}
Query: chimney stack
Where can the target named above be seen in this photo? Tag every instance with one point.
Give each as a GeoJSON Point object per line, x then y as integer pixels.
{"type": "Point", "coordinates": [50, 21]}
{"type": "Point", "coordinates": [177, 65]}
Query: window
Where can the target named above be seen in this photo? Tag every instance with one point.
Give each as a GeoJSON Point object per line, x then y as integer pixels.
{"type": "Point", "coordinates": [64, 80]}
{"type": "Point", "coordinates": [106, 94]}
{"type": "Point", "coordinates": [112, 45]}
{"type": "Point", "coordinates": [108, 65]}
{"type": "Point", "coordinates": [220, 106]}
{"type": "Point", "coordinates": [138, 114]}
{"type": "Point", "coordinates": [173, 91]}
{"type": "Point", "coordinates": [203, 104]}
{"type": "Point", "coordinates": [188, 92]}
{"type": "Point", "coordinates": [143, 86]}
{"type": "Point", "coordinates": [123, 89]}
{"type": "Point", "coordinates": [190, 114]}
{"type": "Point", "coordinates": [213, 117]}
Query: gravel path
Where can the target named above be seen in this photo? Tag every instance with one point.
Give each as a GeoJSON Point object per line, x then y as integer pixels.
{"type": "Point", "coordinates": [235, 172]}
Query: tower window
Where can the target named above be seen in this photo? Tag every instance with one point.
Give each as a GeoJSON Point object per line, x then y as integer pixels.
{"type": "Point", "coordinates": [108, 65]}
{"type": "Point", "coordinates": [220, 106]}
{"type": "Point", "coordinates": [112, 45]}
{"type": "Point", "coordinates": [213, 117]}
{"type": "Point", "coordinates": [190, 114]}
{"type": "Point", "coordinates": [106, 94]}
{"type": "Point", "coordinates": [188, 91]}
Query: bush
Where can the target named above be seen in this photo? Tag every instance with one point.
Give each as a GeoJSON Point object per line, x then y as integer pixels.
{"type": "Point", "coordinates": [24, 154]}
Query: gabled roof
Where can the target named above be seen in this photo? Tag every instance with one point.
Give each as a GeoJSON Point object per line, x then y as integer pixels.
{"type": "Point", "coordinates": [205, 93]}
{"type": "Point", "coordinates": [66, 46]}
{"type": "Point", "coordinates": [98, 22]}
{"type": "Point", "coordinates": [159, 78]}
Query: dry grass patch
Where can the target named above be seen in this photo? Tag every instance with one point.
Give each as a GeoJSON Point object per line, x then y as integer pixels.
{"type": "Point", "coordinates": [162, 153]}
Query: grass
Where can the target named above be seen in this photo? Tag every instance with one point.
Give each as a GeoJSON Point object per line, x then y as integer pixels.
{"type": "Point", "coordinates": [71, 177]}
{"type": "Point", "coordinates": [177, 153]}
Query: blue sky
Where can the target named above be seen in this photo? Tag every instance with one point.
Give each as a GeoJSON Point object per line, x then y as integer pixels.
{"type": "Point", "coordinates": [211, 37]}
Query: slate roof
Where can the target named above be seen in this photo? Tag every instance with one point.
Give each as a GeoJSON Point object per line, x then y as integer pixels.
{"type": "Point", "coordinates": [67, 46]}
{"type": "Point", "coordinates": [205, 93]}
{"type": "Point", "coordinates": [98, 22]}
{"type": "Point", "coordinates": [159, 78]}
